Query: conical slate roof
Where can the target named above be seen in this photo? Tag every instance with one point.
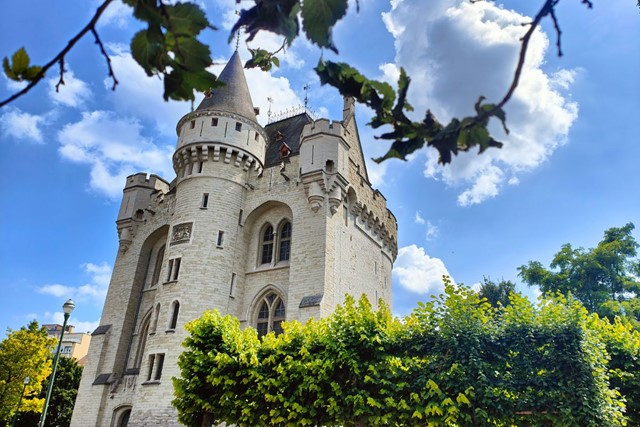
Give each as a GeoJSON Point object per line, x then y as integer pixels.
{"type": "Point", "coordinates": [234, 96]}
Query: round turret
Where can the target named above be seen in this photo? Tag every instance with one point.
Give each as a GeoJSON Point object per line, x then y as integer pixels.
{"type": "Point", "coordinates": [224, 125]}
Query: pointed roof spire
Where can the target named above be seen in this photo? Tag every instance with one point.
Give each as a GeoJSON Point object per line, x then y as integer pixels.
{"type": "Point", "coordinates": [234, 96]}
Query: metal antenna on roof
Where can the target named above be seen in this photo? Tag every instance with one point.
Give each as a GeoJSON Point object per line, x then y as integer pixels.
{"type": "Point", "coordinates": [306, 95]}
{"type": "Point", "coordinates": [269, 100]}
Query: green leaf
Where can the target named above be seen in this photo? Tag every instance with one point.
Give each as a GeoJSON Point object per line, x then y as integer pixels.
{"type": "Point", "coordinates": [32, 72]}
{"type": "Point", "coordinates": [7, 69]}
{"type": "Point", "coordinates": [146, 10]}
{"type": "Point", "coordinates": [20, 61]}
{"type": "Point", "coordinates": [277, 16]}
{"type": "Point", "coordinates": [201, 81]}
{"type": "Point", "coordinates": [192, 55]}
{"type": "Point", "coordinates": [147, 53]}
{"type": "Point", "coordinates": [185, 19]}
{"type": "Point", "coordinates": [319, 17]}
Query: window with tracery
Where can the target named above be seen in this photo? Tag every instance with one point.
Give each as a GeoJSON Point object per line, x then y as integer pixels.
{"type": "Point", "coordinates": [275, 245]}
{"type": "Point", "coordinates": [271, 314]}
{"type": "Point", "coordinates": [267, 245]}
{"type": "Point", "coordinates": [284, 250]}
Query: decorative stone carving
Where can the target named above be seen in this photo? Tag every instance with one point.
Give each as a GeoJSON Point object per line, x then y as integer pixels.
{"type": "Point", "coordinates": [125, 236]}
{"type": "Point", "coordinates": [181, 233]}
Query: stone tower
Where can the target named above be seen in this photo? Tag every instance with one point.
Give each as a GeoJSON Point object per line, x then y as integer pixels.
{"type": "Point", "coordinates": [266, 223]}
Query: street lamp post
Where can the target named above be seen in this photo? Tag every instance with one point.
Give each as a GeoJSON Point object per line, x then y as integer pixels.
{"type": "Point", "coordinates": [67, 308]}
{"type": "Point", "coordinates": [15, 415]}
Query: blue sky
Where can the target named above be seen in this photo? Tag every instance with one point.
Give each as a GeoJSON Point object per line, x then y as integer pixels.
{"type": "Point", "coordinates": [567, 172]}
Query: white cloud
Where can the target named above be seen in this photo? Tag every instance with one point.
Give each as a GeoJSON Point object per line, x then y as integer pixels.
{"type": "Point", "coordinates": [114, 147]}
{"type": "Point", "coordinates": [21, 125]}
{"type": "Point", "coordinates": [432, 230]}
{"type": "Point", "coordinates": [454, 52]}
{"type": "Point", "coordinates": [418, 272]}
{"type": "Point", "coordinates": [73, 93]}
{"type": "Point", "coordinates": [56, 290]}
{"type": "Point", "coordinates": [140, 95]}
{"type": "Point", "coordinates": [264, 85]}
{"type": "Point", "coordinates": [117, 14]}
{"type": "Point", "coordinates": [94, 291]}
{"type": "Point", "coordinates": [13, 85]}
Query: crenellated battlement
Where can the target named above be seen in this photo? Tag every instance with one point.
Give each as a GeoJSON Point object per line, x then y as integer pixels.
{"type": "Point", "coordinates": [323, 127]}
{"type": "Point", "coordinates": [145, 180]}
{"type": "Point", "coordinates": [191, 160]}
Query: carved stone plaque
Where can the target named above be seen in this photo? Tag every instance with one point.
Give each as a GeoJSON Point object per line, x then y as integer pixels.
{"type": "Point", "coordinates": [181, 233]}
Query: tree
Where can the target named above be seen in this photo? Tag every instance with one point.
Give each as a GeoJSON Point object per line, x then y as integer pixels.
{"type": "Point", "coordinates": [497, 293]}
{"type": "Point", "coordinates": [63, 396]}
{"type": "Point", "coordinates": [454, 361]}
{"type": "Point", "coordinates": [605, 278]}
{"type": "Point", "coordinates": [24, 353]}
{"type": "Point", "coordinates": [169, 47]}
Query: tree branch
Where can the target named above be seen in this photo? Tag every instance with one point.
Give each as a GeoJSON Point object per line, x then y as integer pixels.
{"type": "Point", "coordinates": [104, 53]}
{"type": "Point", "coordinates": [59, 58]}
{"type": "Point", "coordinates": [546, 9]}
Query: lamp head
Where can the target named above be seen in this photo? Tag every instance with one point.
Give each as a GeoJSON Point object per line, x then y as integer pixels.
{"type": "Point", "coordinates": [26, 380]}
{"type": "Point", "coordinates": [68, 306]}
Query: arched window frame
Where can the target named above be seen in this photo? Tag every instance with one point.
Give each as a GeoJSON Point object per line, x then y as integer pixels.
{"type": "Point", "coordinates": [121, 416]}
{"type": "Point", "coordinates": [173, 318]}
{"type": "Point", "coordinates": [267, 243]}
{"type": "Point", "coordinates": [154, 325]}
{"type": "Point", "coordinates": [270, 313]}
{"type": "Point", "coordinates": [143, 333]}
{"type": "Point", "coordinates": [275, 243]}
{"type": "Point", "coordinates": [284, 241]}
{"type": "Point", "coordinates": [158, 266]}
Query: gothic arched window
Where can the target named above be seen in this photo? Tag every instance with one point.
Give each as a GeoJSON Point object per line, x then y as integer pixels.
{"type": "Point", "coordinates": [267, 245]}
{"type": "Point", "coordinates": [284, 246]}
{"type": "Point", "coordinates": [175, 309]}
{"type": "Point", "coordinates": [271, 314]}
{"type": "Point", "coordinates": [158, 266]}
{"type": "Point", "coordinates": [143, 333]}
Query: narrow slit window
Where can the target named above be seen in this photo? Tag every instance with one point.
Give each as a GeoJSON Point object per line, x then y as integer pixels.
{"type": "Point", "coordinates": [232, 288]}
{"type": "Point", "coordinates": [220, 238]}
{"type": "Point", "coordinates": [192, 125]}
{"type": "Point", "coordinates": [200, 166]}
{"type": "Point", "coordinates": [159, 365]}
{"type": "Point", "coordinates": [152, 358]}
{"type": "Point", "coordinates": [238, 126]}
{"type": "Point", "coordinates": [176, 269]}
{"type": "Point", "coordinates": [240, 217]}
{"type": "Point", "coordinates": [174, 315]}
{"type": "Point", "coordinates": [169, 270]}
{"type": "Point", "coordinates": [256, 136]}
{"type": "Point", "coordinates": [205, 200]}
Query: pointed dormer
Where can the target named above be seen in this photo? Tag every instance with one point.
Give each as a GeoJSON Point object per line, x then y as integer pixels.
{"type": "Point", "coordinates": [234, 96]}
{"type": "Point", "coordinates": [223, 128]}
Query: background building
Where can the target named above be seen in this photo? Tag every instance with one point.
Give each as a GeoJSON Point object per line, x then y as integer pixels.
{"type": "Point", "coordinates": [266, 223]}
{"type": "Point", "coordinates": [74, 344]}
